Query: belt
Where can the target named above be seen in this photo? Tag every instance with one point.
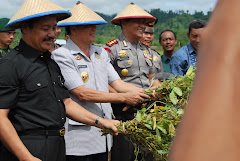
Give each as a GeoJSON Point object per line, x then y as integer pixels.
{"type": "Point", "coordinates": [46, 132]}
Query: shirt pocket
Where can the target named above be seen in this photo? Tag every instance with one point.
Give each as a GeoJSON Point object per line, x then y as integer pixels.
{"type": "Point", "coordinates": [37, 94]}
{"type": "Point", "coordinates": [124, 62]}
{"type": "Point", "coordinates": [36, 85]}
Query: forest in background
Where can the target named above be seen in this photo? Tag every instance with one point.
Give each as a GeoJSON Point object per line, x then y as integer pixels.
{"type": "Point", "coordinates": [178, 21]}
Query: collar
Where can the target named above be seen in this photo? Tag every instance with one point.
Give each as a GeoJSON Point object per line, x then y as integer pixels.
{"type": "Point", "coordinates": [165, 58]}
{"type": "Point", "coordinates": [74, 49]}
{"type": "Point", "coordinates": [29, 52]}
{"type": "Point", "coordinates": [191, 50]}
{"type": "Point", "coordinates": [122, 37]}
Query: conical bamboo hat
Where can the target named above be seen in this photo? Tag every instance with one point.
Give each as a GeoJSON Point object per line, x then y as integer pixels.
{"type": "Point", "coordinates": [37, 8]}
{"type": "Point", "coordinates": [82, 15]}
{"type": "Point", "coordinates": [132, 11]}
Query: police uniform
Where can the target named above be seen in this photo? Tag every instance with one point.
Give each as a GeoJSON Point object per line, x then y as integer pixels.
{"type": "Point", "coordinates": [139, 63]}
{"type": "Point", "coordinates": [94, 73]}
{"type": "Point", "coordinates": [136, 61]}
{"type": "Point", "coordinates": [32, 87]}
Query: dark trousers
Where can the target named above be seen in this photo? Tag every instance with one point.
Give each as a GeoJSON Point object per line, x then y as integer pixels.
{"type": "Point", "coordinates": [46, 148]}
{"type": "Point", "coordinates": [93, 157]}
{"type": "Point", "coordinates": [123, 150]}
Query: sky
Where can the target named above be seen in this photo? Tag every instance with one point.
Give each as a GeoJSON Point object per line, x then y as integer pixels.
{"type": "Point", "coordinates": [9, 7]}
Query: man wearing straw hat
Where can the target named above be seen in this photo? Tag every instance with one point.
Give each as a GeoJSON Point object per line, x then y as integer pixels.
{"type": "Point", "coordinates": [33, 100]}
{"type": "Point", "coordinates": [87, 71]}
{"type": "Point", "coordinates": [6, 37]}
{"type": "Point", "coordinates": [134, 64]}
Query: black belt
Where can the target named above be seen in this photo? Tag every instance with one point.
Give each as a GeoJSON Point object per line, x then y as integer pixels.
{"type": "Point", "coordinates": [46, 132]}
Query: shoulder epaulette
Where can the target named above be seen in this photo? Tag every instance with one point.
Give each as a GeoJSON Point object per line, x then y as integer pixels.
{"type": "Point", "coordinates": [155, 51]}
{"type": "Point", "coordinates": [111, 42]}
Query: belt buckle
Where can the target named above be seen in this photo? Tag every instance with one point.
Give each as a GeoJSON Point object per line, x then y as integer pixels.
{"type": "Point", "coordinates": [62, 132]}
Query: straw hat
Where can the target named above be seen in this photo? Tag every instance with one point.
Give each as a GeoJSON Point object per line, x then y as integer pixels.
{"type": "Point", "coordinates": [82, 15]}
{"type": "Point", "coordinates": [132, 11]}
{"type": "Point", "coordinates": [37, 8]}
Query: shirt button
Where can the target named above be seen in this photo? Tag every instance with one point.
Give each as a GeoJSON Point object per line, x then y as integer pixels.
{"type": "Point", "coordinates": [54, 82]}
{"type": "Point", "coordinates": [59, 100]}
{"type": "Point", "coordinates": [41, 56]}
{"type": "Point", "coordinates": [38, 84]}
{"type": "Point", "coordinates": [62, 118]}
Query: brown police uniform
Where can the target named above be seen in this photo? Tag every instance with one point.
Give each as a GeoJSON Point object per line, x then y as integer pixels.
{"type": "Point", "coordinates": [133, 62]}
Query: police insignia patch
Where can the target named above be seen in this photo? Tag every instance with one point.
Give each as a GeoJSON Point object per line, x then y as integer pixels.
{"type": "Point", "coordinates": [146, 54]}
{"type": "Point", "coordinates": [155, 58]}
{"type": "Point", "coordinates": [111, 42]}
{"type": "Point", "coordinates": [122, 53]}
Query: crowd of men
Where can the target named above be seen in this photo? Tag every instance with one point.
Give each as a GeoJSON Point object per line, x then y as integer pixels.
{"type": "Point", "coordinates": [54, 99]}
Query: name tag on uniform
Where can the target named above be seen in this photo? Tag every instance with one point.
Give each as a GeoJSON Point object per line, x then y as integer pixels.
{"type": "Point", "coordinates": [82, 66]}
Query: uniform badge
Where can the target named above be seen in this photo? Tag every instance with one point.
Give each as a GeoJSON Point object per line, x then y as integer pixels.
{"type": "Point", "coordinates": [78, 57]}
{"type": "Point", "coordinates": [98, 56]}
{"type": "Point", "coordinates": [155, 58]}
{"type": "Point", "coordinates": [85, 76]}
{"type": "Point", "coordinates": [146, 54]}
{"type": "Point", "coordinates": [145, 51]}
{"type": "Point", "coordinates": [125, 43]}
{"type": "Point", "coordinates": [124, 72]}
{"type": "Point", "coordinates": [129, 61]}
{"type": "Point", "coordinates": [123, 53]}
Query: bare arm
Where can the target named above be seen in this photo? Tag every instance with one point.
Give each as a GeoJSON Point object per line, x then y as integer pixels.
{"type": "Point", "coordinates": [210, 130]}
{"type": "Point", "coordinates": [122, 87]}
{"type": "Point", "coordinates": [76, 112]}
{"type": "Point", "coordinates": [11, 140]}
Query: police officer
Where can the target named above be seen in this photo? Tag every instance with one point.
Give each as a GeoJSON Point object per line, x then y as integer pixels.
{"type": "Point", "coordinates": [134, 63]}
{"type": "Point", "coordinates": [87, 72]}
{"type": "Point", "coordinates": [6, 37]}
{"type": "Point", "coordinates": [147, 40]}
{"type": "Point", "coordinates": [34, 102]}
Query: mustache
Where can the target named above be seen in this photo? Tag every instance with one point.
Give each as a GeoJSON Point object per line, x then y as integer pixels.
{"type": "Point", "coordinates": [49, 39]}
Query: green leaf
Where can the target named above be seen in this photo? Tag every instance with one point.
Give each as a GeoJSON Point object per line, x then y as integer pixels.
{"type": "Point", "coordinates": [173, 97]}
{"type": "Point", "coordinates": [190, 70]}
{"type": "Point", "coordinates": [180, 112]}
{"type": "Point", "coordinates": [148, 118]}
{"type": "Point", "coordinates": [178, 91]}
{"type": "Point", "coordinates": [162, 129]}
{"type": "Point", "coordinates": [148, 126]}
{"type": "Point", "coordinates": [143, 110]}
{"type": "Point", "coordinates": [158, 135]}
{"type": "Point", "coordinates": [139, 116]}
{"type": "Point", "coordinates": [162, 151]}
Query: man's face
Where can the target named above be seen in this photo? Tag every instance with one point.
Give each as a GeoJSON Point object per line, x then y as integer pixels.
{"type": "Point", "coordinates": [147, 38]}
{"type": "Point", "coordinates": [6, 38]}
{"type": "Point", "coordinates": [41, 36]}
{"type": "Point", "coordinates": [134, 28]}
{"type": "Point", "coordinates": [194, 37]}
{"type": "Point", "coordinates": [58, 31]}
{"type": "Point", "coordinates": [168, 41]}
{"type": "Point", "coordinates": [86, 33]}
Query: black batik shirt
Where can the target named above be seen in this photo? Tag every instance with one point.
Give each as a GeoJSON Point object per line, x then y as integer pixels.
{"type": "Point", "coordinates": [32, 87]}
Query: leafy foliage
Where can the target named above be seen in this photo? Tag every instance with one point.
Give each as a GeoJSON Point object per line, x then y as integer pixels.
{"type": "Point", "coordinates": [154, 127]}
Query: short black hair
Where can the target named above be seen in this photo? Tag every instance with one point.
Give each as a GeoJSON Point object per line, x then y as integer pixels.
{"type": "Point", "coordinates": [68, 31]}
{"type": "Point", "coordinates": [196, 24]}
{"type": "Point", "coordinates": [160, 36]}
